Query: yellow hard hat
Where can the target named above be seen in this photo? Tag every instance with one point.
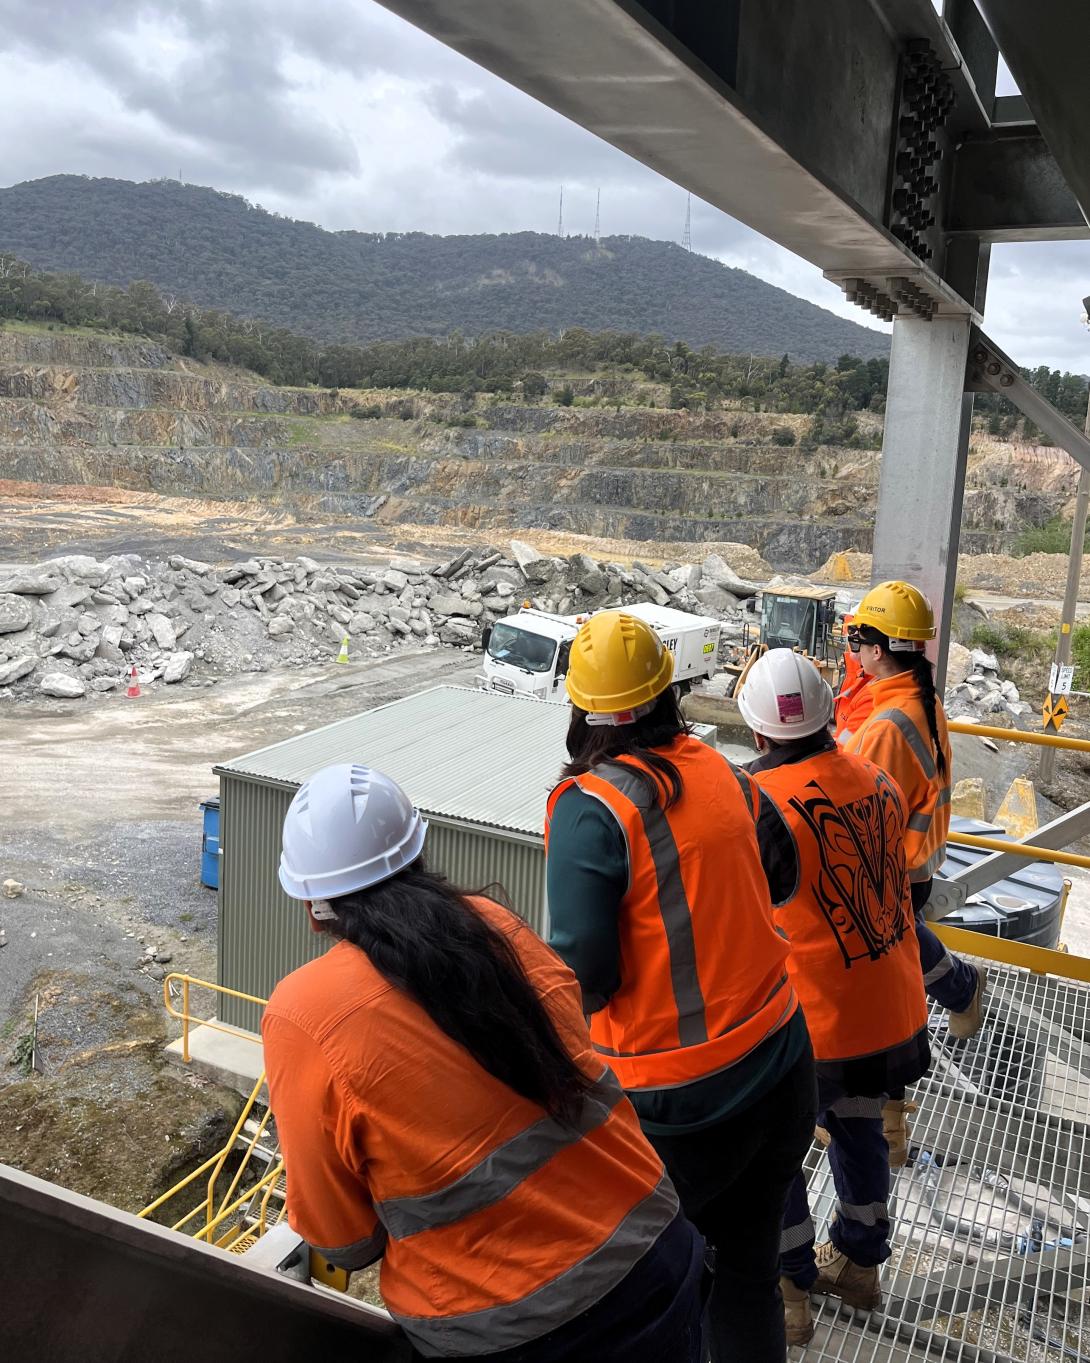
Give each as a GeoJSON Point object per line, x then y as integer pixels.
{"type": "Point", "coordinates": [897, 610]}
{"type": "Point", "coordinates": [618, 663]}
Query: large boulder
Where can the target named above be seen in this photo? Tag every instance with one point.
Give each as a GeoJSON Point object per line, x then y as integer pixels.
{"type": "Point", "coordinates": [448, 603]}
{"type": "Point", "coordinates": [535, 567]}
{"type": "Point", "coordinates": [178, 667]}
{"type": "Point", "coordinates": [583, 572]}
{"type": "Point", "coordinates": [15, 668]}
{"type": "Point", "coordinates": [33, 582]}
{"type": "Point", "coordinates": [959, 664]}
{"type": "Point", "coordinates": [62, 685]}
{"type": "Point", "coordinates": [15, 613]}
{"type": "Point", "coordinates": [717, 570]}
{"type": "Point", "coordinates": [163, 631]}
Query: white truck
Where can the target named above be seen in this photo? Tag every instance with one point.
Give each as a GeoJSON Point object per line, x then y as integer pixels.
{"type": "Point", "coordinates": [526, 654]}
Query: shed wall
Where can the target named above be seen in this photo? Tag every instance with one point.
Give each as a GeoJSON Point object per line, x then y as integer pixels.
{"type": "Point", "coordinates": [263, 935]}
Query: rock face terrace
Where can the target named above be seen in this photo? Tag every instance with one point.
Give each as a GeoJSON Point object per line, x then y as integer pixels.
{"type": "Point", "coordinates": [83, 410]}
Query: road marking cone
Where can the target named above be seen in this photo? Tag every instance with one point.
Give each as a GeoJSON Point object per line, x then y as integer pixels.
{"type": "Point", "coordinates": [342, 657]}
{"type": "Point", "coordinates": [134, 685]}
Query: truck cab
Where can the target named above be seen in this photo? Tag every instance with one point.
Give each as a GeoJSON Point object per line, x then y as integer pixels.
{"type": "Point", "coordinates": [526, 654]}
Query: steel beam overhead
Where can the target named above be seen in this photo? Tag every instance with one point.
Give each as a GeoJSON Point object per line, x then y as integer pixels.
{"type": "Point", "coordinates": [991, 371]}
{"type": "Point", "coordinates": [1007, 187]}
{"type": "Point", "coordinates": [1045, 45]}
{"type": "Point", "coordinates": [792, 136]}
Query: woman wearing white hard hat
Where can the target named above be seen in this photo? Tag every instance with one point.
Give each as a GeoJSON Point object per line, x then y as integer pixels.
{"type": "Point", "coordinates": [439, 1106]}
{"type": "Point", "coordinates": [855, 965]}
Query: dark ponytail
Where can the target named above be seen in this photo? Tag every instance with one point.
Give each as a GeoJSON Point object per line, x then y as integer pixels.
{"type": "Point", "coordinates": [924, 676]}
{"type": "Point", "coordinates": [423, 937]}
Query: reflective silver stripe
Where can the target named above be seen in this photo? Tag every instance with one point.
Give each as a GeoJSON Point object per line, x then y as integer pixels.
{"type": "Point", "coordinates": [944, 797]}
{"type": "Point", "coordinates": [915, 740]}
{"type": "Point", "coordinates": [794, 1237]}
{"type": "Point", "coordinates": [866, 1214]}
{"type": "Point", "coordinates": [919, 823]}
{"type": "Point", "coordinates": [666, 1050]}
{"type": "Point", "coordinates": [745, 782]}
{"type": "Point", "coordinates": [673, 902]}
{"type": "Point", "coordinates": [849, 1108]}
{"type": "Point", "coordinates": [936, 972]}
{"type": "Point", "coordinates": [359, 1255]}
{"type": "Point", "coordinates": [918, 874]}
{"type": "Point", "coordinates": [499, 1173]}
{"type": "Point", "coordinates": [556, 1302]}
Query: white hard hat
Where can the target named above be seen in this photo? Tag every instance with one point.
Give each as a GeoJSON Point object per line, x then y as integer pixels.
{"type": "Point", "coordinates": [785, 696]}
{"type": "Point", "coordinates": [348, 827]}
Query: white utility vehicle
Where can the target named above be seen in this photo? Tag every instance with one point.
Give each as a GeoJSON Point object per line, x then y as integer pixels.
{"type": "Point", "coordinates": [526, 654]}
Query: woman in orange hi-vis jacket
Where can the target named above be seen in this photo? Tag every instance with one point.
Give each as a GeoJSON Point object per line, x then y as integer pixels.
{"type": "Point", "coordinates": [662, 863]}
{"type": "Point", "coordinates": [905, 734]}
{"type": "Point", "coordinates": [439, 1106]}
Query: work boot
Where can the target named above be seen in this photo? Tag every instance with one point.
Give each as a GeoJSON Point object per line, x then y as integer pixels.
{"type": "Point", "coordinates": [797, 1316]}
{"type": "Point", "coordinates": [839, 1277]}
{"type": "Point", "coordinates": [967, 1023]}
{"type": "Point", "coordinates": [822, 1136]}
{"type": "Point", "coordinates": [896, 1129]}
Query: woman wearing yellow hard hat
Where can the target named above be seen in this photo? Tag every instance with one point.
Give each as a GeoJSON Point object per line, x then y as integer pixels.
{"type": "Point", "coordinates": [905, 734]}
{"type": "Point", "coordinates": [663, 864]}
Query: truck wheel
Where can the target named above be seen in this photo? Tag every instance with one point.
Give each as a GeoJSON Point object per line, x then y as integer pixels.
{"type": "Point", "coordinates": [682, 689]}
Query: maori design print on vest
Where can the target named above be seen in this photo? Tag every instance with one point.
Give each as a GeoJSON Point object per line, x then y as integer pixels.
{"type": "Point", "coordinates": [860, 878]}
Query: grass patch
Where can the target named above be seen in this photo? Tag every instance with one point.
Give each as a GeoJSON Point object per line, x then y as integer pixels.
{"type": "Point", "coordinates": [1015, 641]}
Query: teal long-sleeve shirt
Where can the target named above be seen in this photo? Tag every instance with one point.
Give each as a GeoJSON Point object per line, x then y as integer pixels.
{"type": "Point", "coordinates": [587, 880]}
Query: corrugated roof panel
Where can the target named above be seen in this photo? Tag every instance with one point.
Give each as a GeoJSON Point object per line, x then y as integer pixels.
{"type": "Point", "coordinates": [497, 759]}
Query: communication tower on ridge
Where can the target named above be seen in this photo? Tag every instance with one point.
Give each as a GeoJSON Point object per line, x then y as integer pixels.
{"type": "Point", "coordinates": [560, 216]}
{"type": "Point", "coordinates": [687, 238]}
{"type": "Point", "coordinates": [598, 217]}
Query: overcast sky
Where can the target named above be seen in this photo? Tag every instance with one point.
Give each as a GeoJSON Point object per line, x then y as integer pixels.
{"type": "Point", "coordinates": [342, 114]}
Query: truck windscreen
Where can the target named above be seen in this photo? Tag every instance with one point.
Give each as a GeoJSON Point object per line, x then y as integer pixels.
{"type": "Point", "coordinates": [520, 648]}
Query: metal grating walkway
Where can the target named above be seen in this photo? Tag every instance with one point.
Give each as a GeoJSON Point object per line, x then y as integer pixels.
{"type": "Point", "coordinates": [991, 1220]}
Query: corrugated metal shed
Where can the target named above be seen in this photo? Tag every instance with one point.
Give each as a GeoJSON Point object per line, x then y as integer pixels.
{"type": "Point", "coordinates": [479, 765]}
{"type": "Point", "coordinates": [471, 755]}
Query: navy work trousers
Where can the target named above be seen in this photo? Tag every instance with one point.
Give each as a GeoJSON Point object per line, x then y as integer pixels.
{"type": "Point", "coordinates": [859, 1160]}
{"type": "Point", "coordinates": [732, 1179]}
{"type": "Point", "coordinates": [947, 979]}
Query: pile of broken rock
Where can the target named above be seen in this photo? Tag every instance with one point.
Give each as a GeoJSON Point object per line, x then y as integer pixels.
{"type": "Point", "coordinates": [974, 689]}
{"type": "Point", "coordinates": [76, 626]}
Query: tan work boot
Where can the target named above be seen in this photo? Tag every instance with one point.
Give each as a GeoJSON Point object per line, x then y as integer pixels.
{"type": "Point", "coordinates": [839, 1277]}
{"type": "Point", "coordinates": [967, 1023]}
{"type": "Point", "coordinates": [822, 1136]}
{"type": "Point", "coordinates": [895, 1128]}
{"type": "Point", "coordinates": [797, 1316]}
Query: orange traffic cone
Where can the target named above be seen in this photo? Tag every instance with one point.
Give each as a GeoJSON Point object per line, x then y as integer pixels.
{"type": "Point", "coordinates": [134, 685]}
{"type": "Point", "coordinates": [342, 657]}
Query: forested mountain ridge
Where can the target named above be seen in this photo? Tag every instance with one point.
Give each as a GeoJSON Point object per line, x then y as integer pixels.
{"type": "Point", "coordinates": [220, 251]}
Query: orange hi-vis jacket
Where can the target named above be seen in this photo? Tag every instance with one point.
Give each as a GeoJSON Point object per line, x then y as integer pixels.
{"type": "Point", "coordinates": [895, 737]}
{"type": "Point", "coordinates": [855, 961]}
{"type": "Point", "coordinates": [854, 701]}
{"type": "Point", "coordinates": [496, 1223]}
{"type": "Point", "coordinates": [703, 973]}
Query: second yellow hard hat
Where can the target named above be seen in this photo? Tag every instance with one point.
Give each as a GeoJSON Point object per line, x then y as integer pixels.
{"type": "Point", "coordinates": [618, 663]}
{"type": "Point", "coordinates": [897, 610]}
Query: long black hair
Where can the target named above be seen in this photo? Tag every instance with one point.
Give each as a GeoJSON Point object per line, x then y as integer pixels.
{"type": "Point", "coordinates": [923, 674]}
{"type": "Point", "coordinates": [590, 744]}
{"type": "Point", "coordinates": [425, 939]}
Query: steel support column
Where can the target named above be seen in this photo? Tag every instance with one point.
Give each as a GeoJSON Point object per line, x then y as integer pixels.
{"type": "Point", "coordinates": [924, 454]}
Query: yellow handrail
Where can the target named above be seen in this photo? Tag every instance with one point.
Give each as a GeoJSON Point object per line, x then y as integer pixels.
{"type": "Point", "coordinates": [185, 1017]}
{"type": "Point", "coordinates": [1018, 849]}
{"type": "Point", "coordinates": [222, 1160]}
{"type": "Point", "coordinates": [959, 726]}
{"type": "Point", "coordinates": [1040, 960]}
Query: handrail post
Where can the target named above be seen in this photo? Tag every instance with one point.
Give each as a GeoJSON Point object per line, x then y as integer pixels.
{"type": "Point", "coordinates": [185, 1024]}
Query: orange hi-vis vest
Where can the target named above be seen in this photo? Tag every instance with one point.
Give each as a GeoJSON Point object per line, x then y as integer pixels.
{"type": "Point", "coordinates": [895, 737]}
{"type": "Point", "coordinates": [496, 1223]}
{"type": "Point", "coordinates": [855, 961]}
{"type": "Point", "coordinates": [703, 973]}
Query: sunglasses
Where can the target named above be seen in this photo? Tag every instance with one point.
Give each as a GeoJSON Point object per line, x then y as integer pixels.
{"type": "Point", "coordinates": [858, 635]}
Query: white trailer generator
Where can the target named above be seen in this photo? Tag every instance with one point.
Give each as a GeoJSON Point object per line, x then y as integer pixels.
{"type": "Point", "coordinates": [526, 654]}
